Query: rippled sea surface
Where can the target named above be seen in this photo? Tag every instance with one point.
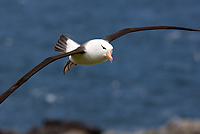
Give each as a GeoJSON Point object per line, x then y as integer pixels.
{"type": "Point", "coordinates": [155, 75]}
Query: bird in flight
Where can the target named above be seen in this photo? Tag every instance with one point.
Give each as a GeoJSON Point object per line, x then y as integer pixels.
{"type": "Point", "coordinates": [92, 52]}
{"type": "Point", "coordinates": [98, 50]}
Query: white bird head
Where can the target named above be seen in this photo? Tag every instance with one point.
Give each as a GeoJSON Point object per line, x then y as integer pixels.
{"type": "Point", "coordinates": [99, 49]}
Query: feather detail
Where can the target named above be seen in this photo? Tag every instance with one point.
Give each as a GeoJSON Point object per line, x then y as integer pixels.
{"type": "Point", "coordinates": [65, 44]}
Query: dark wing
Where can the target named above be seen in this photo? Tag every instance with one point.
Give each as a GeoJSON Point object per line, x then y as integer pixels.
{"type": "Point", "coordinates": [41, 65]}
{"type": "Point", "coordinates": [122, 32]}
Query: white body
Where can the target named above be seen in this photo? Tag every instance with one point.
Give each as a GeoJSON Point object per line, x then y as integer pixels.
{"type": "Point", "coordinates": [95, 52]}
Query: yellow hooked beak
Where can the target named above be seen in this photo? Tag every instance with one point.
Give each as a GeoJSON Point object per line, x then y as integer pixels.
{"type": "Point", "coordinates": [109, 56]}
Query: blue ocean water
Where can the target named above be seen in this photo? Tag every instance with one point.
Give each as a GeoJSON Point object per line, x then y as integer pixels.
{"type": "Point", "coordinates": [155, 75]}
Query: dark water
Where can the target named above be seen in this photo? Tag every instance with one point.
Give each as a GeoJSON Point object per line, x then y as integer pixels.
{"type": "Point", "coordinates": [155, 75]}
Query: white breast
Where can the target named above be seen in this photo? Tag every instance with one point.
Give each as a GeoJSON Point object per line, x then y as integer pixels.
{"type": "Point", "coordinates": [94, 53]}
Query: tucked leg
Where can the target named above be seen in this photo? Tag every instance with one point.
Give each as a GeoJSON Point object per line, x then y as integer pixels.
{"type": "Point", "coordinates": [68, 66]}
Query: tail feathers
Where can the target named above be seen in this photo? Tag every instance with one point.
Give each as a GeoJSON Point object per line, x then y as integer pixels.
{"type": "Point", "coordinates": [65, 44]}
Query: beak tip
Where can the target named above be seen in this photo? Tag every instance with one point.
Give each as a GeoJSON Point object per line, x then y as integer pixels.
{"type": "Point", "coordinates": [108, 55]}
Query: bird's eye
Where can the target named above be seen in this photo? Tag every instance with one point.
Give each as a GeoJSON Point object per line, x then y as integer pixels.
{"type": "Point", "coordinates": [103, 47]}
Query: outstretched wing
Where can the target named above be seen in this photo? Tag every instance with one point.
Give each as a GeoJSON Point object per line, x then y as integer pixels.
{"type": "Point", "coordinates": [65, 44]}
{"type": "Point", "coordinates": [122, 32]}
{"type": "Point", "coordinates": [37, 68]}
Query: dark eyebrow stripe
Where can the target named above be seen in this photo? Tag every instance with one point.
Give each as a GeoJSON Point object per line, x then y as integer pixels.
{"type": "Point", "coordinates": [103, 47]}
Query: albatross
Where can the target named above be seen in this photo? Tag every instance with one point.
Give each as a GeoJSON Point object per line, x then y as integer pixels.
{"type": "Point", "coordinates": [98, 50]}
{"type": "Point", "coordinates": [92, 52]}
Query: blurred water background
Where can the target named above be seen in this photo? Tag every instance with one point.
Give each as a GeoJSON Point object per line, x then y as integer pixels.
{"type": "Point", "coordinates": [155, 75]}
